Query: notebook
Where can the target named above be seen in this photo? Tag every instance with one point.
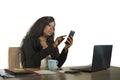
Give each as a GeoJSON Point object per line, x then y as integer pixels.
{"type": "Point", "coordinates": [101, 59]}
{"type": "Point", "coordinates": [21, 72]}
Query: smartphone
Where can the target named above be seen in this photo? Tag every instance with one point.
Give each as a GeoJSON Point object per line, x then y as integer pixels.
{"type": "Point", "coordinates": [71, 33]}
{"type": "Point", "coordinates": [72, 71]}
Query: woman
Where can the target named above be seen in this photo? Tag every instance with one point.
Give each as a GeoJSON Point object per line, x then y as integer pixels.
{"type": "Point", "coordinates": [39, 43]}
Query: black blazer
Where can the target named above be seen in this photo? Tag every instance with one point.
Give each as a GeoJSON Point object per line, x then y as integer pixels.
{"type": "Point", "coordinates": [32, 53]}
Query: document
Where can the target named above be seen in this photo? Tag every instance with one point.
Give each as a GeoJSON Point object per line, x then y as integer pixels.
{"type": "Point", "coordinates": [45, 72]}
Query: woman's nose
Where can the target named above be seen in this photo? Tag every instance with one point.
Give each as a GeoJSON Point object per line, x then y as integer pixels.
{"type": "Point", "coordinates": [52, 29]}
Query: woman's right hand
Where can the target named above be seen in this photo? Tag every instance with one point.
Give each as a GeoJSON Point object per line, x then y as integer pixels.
{"type": "Point", "coordinates": [58, 40]}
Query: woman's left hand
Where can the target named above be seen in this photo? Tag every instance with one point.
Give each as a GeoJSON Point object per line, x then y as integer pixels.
{"type": "Point", "coordinates": [69, 42]}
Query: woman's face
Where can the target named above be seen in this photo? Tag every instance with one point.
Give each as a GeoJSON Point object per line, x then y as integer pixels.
{"type": "Point", "coordinates": [49, 29]}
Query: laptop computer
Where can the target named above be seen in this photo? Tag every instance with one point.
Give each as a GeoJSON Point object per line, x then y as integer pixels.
{"type": "Point", "coordinates": [101, 59]}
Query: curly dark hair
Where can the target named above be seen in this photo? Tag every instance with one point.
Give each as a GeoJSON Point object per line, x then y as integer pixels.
{"type": "Point", "coordinates": [36, 31]}
{"type": "Point", "coordinates": [37, 28]}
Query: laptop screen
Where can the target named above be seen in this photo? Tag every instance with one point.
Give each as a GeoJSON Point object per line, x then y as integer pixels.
{"type": "Point", "coordinates": [101, 57]}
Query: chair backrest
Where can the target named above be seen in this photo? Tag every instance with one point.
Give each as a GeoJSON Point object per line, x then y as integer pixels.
{"type": "Point", "coordinates": [15, 62]}
{"type": "Point", "coordinates": [14, 57]}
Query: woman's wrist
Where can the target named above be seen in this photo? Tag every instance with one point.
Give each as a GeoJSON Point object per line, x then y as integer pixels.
{"type": "Point", "coordinates": [65, 49]}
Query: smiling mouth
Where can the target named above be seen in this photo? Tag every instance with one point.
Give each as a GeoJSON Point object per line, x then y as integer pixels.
{"type": "Point", "coordinates": [50, 33]}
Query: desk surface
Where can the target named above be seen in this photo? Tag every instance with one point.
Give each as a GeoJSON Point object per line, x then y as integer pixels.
{"type": "Point", "coordinates": [113, 73]}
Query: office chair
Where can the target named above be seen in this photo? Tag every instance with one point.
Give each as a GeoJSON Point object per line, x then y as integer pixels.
{"type": "Point", "coordinates": [15, 62]}
{"type": "Point", "coordinates": [14, 57]}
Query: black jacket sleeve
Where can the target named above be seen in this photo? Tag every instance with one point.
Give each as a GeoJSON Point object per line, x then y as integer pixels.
{"type": "Point", "coordinates": [61, 57]}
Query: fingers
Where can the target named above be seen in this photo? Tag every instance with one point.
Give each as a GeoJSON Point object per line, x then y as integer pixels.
{"type": "Point", "coordinates": [59, 40]}
{"type": "Point", "coordinates": [62, 36]}
{"type": "Point", "coordinates": [69, 41]}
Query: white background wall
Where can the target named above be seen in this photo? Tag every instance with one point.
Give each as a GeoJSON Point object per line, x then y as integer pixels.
{"type": "Point", "coordinates": [95, 22]}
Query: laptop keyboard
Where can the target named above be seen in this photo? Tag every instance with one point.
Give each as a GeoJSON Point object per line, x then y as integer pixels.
{"type": "Point", "coordinates": [89, 67]}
